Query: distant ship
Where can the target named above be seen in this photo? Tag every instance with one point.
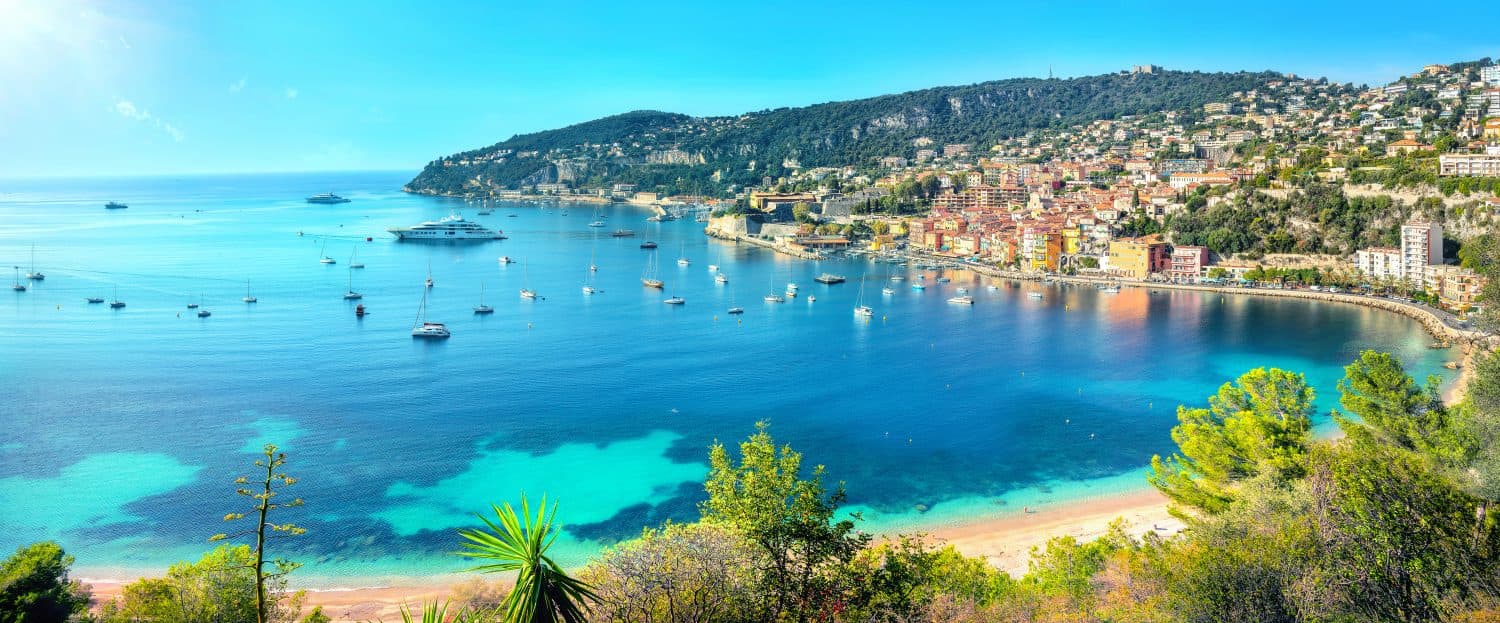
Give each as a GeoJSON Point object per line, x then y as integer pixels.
{"type": "Point", "coordinates": [115, 205]}
{"type": "Point", "coordinates": [449, 228]}
{"type": "Point", "coordinates": [325, 198]}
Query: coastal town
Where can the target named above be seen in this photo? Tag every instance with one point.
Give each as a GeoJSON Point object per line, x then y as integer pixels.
{"type": "Point", "coordinates": [1168, 197]}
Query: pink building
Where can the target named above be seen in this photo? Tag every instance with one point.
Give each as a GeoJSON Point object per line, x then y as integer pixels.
{"type": "Point", "coordinates": [1188, 262]}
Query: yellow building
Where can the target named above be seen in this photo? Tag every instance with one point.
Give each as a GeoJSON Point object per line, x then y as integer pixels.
{"type": "Point", "coordinates": [1137, 259]}
{"type": "Point", "coordinates": [1071, 240]}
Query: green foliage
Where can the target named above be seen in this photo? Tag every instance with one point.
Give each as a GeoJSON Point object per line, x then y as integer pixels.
{"type": "Point", "coordinates": [1259, 223]}
{"type": "Point", "coordinates": [438, 612]}
{"type": "Point", "coordinates": [220, 587]}
{"type": "Point", "coordinates": [1396, 538]}
{"type": "Point", "coordinates": [1377, 389]}
{"type": "Point", "coordinates": [1258, 425]}
{"type": "Point", "coordinates": [900, 580]}
{"type": "Point", "coordinates": [543, 591]}
{"type": "Point", "coordinates": [680, 573]}
{"type": "Point", "coordinates": [317, 616]}
{"type": "Point", "coordinates": [791, 520]}
{"type": "Point", "coordinates": [34, 586]}
{"type": "Point", "coordinates": [270, 480]}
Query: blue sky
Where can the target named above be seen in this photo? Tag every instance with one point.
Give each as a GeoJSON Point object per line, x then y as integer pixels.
{"type": "Point", "coordinates": [111, 87]}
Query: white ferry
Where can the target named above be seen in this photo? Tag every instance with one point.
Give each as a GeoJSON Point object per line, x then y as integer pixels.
{"type": "Point", "coordinates": [452, 227]}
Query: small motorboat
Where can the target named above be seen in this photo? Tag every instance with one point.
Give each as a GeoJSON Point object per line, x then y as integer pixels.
{"type": "Point", "coordinates": [772, 298]}
{"type": "Point", "coordinates": [863, 310]}
{"type": "Point", "coordinates": [720, 278]}
{"type": "Point", "coordinates": [811, 299]}
{"type": "Point", "coordinates": [528, 294]}
{"type": "Point", "coordinates": [203, 313]}
{"type": "Point", "coordinates": [736, 310]}
{"type": "Point", "coordinates": [359, 310]}
{"type": "Point", "coordinates": [505, 259]}
{"type": "Point", "coordinates": [887, 291]}
{"type": "Point", "coordinates": [648, 245]}
{"type": "Point", "coordinates": [918, 286]}
{"type": "Point", "coordinates": [622, 233]}
{"type": "Point", "coordinates": [962, 300]}
{"type": "Point", "coordinates": [95, 299]}
{"type": "Point", "coordinates": [596, 224]}
{"type": "Point", "coordinates": [676, 300]}
{"type": "Point", "coordinates": [192, 306]}
{"type": "Point", "coordinates": [590, 290]}
{"type": "Point", "coordinates": [1035, 295]}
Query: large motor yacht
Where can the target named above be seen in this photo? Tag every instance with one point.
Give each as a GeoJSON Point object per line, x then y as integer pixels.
{"type": "Point", "coordinates": [448, 228]}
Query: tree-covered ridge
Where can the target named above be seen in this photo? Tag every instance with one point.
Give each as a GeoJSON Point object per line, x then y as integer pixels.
{"type": "Point", "coordinates": [684, 153]}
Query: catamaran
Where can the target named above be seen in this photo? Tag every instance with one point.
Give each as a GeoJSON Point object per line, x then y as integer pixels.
{"type": "Point", "coordinates": [424, 329]}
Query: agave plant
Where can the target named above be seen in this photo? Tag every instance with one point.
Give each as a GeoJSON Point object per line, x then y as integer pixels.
{"type": "Point", "coordinates": [519, 542]}
{"type": "Point", "coordinates": [437, 612]}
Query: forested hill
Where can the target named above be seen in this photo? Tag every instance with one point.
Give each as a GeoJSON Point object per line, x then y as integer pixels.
{"type": "Point", "coordinates": [682, 153]}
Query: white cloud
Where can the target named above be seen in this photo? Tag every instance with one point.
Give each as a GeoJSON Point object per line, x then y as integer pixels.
{"type": "Point", "coordinates": [239, 85]}
{"type": "Point", "coordinates": [128, 110]}
{"type": "Point", "coordinates": [291, 93]}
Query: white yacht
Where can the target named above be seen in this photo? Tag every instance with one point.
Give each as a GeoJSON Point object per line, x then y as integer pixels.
{"type": "Point", "coordinates": [452, 227]}
{"type": "Point", "coordinates": [962, 300]}
{"type": "Point", "coordinates": [676, 300]}
{"type": "Point", "coordinates": [863, 310]}
{"type": "Point", "coordinates": [721, 278]}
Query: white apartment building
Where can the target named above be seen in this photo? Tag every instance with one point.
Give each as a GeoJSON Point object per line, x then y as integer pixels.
{"type": "Point", "coordinates": [1483, 165]}
{"type": "Point", "coordinates": [1379, 263]}
{"type": "Point", "coordinates": [1421, 246]}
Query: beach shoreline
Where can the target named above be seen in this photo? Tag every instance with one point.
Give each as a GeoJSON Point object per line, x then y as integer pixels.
{"type": "Point", "coordinates": [1004, 539]}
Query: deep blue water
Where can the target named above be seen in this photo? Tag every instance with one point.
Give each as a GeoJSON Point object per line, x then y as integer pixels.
{"type": "Point", "coordinates": [121, 430]}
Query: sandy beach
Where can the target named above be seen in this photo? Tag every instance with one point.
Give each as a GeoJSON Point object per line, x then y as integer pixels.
{"type": "Point", "coordinates": [1005, 541]}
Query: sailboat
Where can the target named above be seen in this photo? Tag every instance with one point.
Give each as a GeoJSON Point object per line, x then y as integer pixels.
{"type": "Point", "coordinates": [429, 274]}
{"type": "Point", "coordinates": [648, 278]}
{"type": "Point", "coordinates": [734, 309]}
{"type": "Point", "coordinates": [18, 287]}
{"type": "Point", "coordinates": [202, 313]}
{"type": "Point", "coordinates": [350, 294]}
{"type": "Point", "coordinates": [526, 291]}
{"type": "Point", "coordinates": [481, 308]}
{"type": "Point", "coordinates": [352, 263]}
{"type": "Point", "coordinates": [34, 275]}
{"type": "Point", "coordinates": [588, 282]}
{"type": "Point", "coordinates": [773, 297]}
{"type": "Point", "coordinates": [682, 259]}
{"type": "Point", "coordinates": [116, 303]}
{"type": "Point", "coordinates": [326, 259]}
{"type": "Point", "coordinates": [248, 298]}
{"type": "Point", "coordinates": [424, 329]}
{"type": "Point", "coordinates": [860, 309]}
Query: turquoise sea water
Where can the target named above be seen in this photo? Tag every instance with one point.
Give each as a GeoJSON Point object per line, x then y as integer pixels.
{"type": "Point", "coordinates": [122, 429]}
